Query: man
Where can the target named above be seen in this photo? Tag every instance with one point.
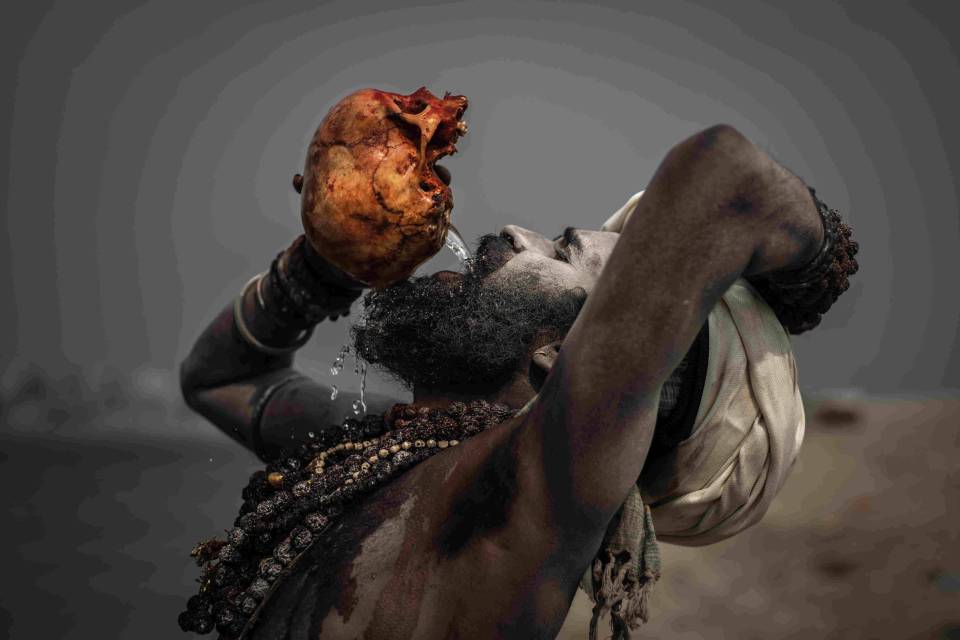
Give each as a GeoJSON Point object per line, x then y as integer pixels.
{"type": "Point", "coordinates": [574, 344]}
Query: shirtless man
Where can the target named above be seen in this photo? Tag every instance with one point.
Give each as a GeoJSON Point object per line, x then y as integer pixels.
{"type": "Point", "coordinates": [490, 538]}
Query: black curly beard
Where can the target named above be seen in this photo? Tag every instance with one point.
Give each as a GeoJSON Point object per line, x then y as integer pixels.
{"type": "Point", "coordinates": [462, 334]}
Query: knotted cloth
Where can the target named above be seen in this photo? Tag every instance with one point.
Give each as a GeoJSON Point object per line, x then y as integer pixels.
{"type": "Point", "coordinates": [720, 480]}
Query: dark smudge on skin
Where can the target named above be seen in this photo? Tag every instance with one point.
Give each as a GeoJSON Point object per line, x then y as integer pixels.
{"type": "Point", "coordinates": [485, 505]}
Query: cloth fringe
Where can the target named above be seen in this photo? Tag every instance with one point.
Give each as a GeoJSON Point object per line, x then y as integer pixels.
{"type": "Point", "coordinates": [624, 570]}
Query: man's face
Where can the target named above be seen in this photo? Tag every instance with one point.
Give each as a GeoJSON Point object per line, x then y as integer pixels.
{"type": "Point", "coordinates": [573, 259]}
{"type": "Point", "coordinates": [472, 332]}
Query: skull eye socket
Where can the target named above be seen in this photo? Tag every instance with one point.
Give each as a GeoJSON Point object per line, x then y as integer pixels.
{"type": "Point", "coordinates": [412, 108]}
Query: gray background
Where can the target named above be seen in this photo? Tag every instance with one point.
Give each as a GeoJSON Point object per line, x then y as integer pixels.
{"type": "Point", "coordinates": [150, 147]}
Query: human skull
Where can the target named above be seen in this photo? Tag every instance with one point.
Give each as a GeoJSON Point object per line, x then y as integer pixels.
{"type": "Point", "coordinates": [372, 203]}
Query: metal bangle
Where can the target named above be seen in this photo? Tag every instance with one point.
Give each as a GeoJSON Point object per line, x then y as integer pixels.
{"type": "Point", "coordinates": [251, 339]}
{"type": "Point", "coordinates": [263, 305]}
{"type": "Point", "coordinates": [811, 273]}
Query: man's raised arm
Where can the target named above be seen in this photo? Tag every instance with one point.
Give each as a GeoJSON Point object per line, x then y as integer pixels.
{"type": "Point", "coordinates": [718, 208]}
{"type": "Point", "coordinates": [240, 375]}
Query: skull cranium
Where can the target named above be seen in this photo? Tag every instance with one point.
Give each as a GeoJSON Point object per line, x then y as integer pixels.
{"type": "Point", "coordinates": [372, 201]}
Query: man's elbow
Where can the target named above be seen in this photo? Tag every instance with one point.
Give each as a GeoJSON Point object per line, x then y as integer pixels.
{"type": "Point", "coordinates": [722, 137]}
{"type": "Point", "coordinates": [721, 162]}
{"type": "Point", "coordinates": [719, 143]}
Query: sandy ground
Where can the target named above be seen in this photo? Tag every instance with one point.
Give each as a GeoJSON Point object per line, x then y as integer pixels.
{"type": "Point", "coordinates": [106, 490]}
{"type": "Point", "coordinates": [861, 543]}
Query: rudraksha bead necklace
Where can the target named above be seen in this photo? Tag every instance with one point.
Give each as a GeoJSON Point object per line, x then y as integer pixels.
{"type": "Point", "coordinates": [287, 505]}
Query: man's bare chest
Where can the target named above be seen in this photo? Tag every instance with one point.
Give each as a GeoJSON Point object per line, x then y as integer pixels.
{"type": "Point", "coordinates": [402, 564]}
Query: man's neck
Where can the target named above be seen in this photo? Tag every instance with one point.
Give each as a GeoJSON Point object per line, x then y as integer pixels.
{"type": "Point", "coordinates": [515, 394]}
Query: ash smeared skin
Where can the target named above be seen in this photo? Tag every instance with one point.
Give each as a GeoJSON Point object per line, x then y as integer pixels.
{"type": "Point", "coordinates": [367, 571]}
{"type": "Point", "coordinates": [372, 202]}
{"type": "Point", "coordinates": [333, 585]}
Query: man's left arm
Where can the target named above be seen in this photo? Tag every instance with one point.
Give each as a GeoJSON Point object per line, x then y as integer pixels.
{"type": "Point", "coordinates": [716, 210]}
{"type": "Point", "coordinates": [800, 296]}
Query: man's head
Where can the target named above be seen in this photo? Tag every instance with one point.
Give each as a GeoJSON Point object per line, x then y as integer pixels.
{"type": "Point", "coordinates": [473, 332]}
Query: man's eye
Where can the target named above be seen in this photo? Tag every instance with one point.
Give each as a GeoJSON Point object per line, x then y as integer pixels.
{"type": "Point", "coordinates": [561, 255]}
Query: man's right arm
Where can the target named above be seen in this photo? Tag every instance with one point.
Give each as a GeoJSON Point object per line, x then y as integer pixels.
{"type": "Point", "coordinates": [253, 393]}
{"type": "Point", "coordinates": [717, 209]}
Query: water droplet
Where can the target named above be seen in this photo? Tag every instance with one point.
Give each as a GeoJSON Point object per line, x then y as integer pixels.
{"type": "Point", "coordinates": [333, 395]}
{"type": "Point", "coordinates": [454, 242]}
{"type": "Point", "coordinates": [338, 363]}
{"type": "Point", "coordinates": [363, 384]}
{"type": "Point", "coordinates": [311, 435]}
{"type": "Point", "coordinates": [211, 459]}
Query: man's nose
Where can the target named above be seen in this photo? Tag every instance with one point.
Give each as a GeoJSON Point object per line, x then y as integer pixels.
{"type": "Point", "coordinates": [527, 240]}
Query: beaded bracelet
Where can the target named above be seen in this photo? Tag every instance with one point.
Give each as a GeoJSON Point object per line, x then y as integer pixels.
{"type": "Point", "coordinates": [811, 273]}
{"type": "Point", "coordinates": [303, 295]}
{"type": "Point", "coordinates": [800, 297]}
{"type": "Point", "coordinates": [252, 340]}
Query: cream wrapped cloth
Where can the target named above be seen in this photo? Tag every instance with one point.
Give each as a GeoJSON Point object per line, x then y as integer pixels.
{"type": "Point", "coordinates": [722, 479]}
{"type": "Point", "coordinates": [747, 432]}
{"type": "Point", "coordinates": [746, 435]}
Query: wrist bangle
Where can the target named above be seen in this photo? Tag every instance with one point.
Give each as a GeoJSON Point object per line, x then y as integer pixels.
{"type": "Point", "coordinates": [813, 271]}
{"type": "Point", "coordinates": [251, 339]}
{"type": "Point", "coordinates": [801, 297]}
{"type": "Point", "coordinates": [304, 298]}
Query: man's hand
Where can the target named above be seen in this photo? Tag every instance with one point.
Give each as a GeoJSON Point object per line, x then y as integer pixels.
{"type": "Point", "coordinates": [258, 397]}
{"type": "Point", "coordinates": [328, 272]}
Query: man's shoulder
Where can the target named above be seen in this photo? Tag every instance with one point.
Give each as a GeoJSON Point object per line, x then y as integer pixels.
{"type": "Point", "coordinates": [421, 526]}
{"type": "Point", "coordinates": [338, 572]}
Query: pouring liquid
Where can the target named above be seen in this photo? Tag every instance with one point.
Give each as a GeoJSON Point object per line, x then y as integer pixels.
{"type": "Point", "coordinates": [454, 242]}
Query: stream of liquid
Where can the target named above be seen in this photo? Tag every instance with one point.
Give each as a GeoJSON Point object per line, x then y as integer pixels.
{"type": "Point", "coordinates": [359, 368]}
{"type": "Point", "coordinates": [455, 243]}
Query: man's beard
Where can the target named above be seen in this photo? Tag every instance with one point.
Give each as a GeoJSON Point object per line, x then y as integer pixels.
{"type": "Point", "coordinates": [470, 335]}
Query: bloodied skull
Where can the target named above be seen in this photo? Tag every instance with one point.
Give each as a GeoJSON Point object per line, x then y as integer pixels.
{"type": "Point", "coordinates": [372, 202]}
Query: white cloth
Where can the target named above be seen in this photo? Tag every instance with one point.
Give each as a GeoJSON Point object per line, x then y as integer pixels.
{"type": "Point", "coordinates": [619, 218]}
{"type": "Point", "coordinates": [748, 429]}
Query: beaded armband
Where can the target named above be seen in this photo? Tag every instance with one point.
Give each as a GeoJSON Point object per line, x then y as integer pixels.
{"type": "Point", "coordinates": [299, 294]}
{"type": "Point", "coordinates": [800, 297]}
{"type": "Point", "coordinates": [295, 298]}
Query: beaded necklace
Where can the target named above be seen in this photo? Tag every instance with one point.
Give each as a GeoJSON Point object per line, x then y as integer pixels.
{"type": "Point", "coordinates": [294, 500]}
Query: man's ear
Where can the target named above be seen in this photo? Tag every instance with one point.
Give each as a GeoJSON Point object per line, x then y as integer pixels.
{"type": "Point", "coordinates": [542, 361]}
